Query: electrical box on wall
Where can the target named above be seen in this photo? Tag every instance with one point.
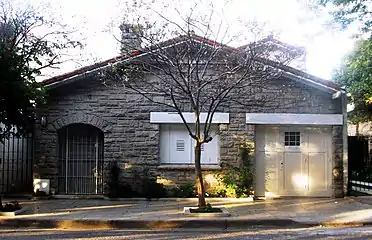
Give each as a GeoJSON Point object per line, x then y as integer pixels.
{"type": "Point", "coordinates": [43, 185]}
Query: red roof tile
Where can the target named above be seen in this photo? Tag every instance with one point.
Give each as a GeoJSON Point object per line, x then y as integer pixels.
{"type": "Point", "coordinates": [122, 57]}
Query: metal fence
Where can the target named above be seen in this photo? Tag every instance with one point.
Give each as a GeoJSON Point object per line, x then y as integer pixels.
{"type": "Point", "coordinates": [361, 187]}
{"type": "Point", "coordinates": [360, 181]}
{"type": "Point", "coordinates": [16, 157]}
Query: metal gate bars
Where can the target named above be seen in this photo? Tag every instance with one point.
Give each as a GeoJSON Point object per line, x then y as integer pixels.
{"type": "Point", "coordinates": [80, 160]}
{"type": "Point", "coordinates": [16, 156]}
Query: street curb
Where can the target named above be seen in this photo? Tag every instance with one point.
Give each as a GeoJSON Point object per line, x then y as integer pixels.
{"type": "Point", "coordinates": [112, 224]}
{"type": "Point", "coordinates": [217, 223]}
{"type": "Point", "coordinates": [363, 200]}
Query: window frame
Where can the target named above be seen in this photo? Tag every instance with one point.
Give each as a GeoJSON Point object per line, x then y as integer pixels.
{"type": "Point", "coordinates": [166, 149]}
{"type": "Point", "coordinates": [293, 138]}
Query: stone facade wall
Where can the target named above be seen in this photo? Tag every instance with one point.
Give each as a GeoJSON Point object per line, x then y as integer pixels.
{"type": "Point", "coordinates": [337, 165]}
{"type": "Point", "coordinates": [131, 139]}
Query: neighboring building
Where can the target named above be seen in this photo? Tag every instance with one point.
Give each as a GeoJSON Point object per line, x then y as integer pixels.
{"type": "Point", "coordinates": [299, 139]}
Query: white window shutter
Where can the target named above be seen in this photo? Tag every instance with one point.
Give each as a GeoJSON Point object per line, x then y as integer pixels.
{"type": "Point", "coordinates": [211, 151]}
{"type": "Point", "coordinates": [165, 145]}
{"type": "Point", "coordinates": [177, 147]}
{"type": "Point", "coordinates": [191, 151]}
{"type": "Point", "coordinates": [180, 145]}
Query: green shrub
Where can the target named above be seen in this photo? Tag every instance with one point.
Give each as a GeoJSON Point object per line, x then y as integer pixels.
{"type": "Point", "coordinates": [152, 189]}
{"type": "Point", "coordinates": [185, 190]}
{"type": "Point", "coordinates": [11, 207]}
{"type": "Point", "coordinates": [238, 181]}
{"type": "Point", "coordinates": [113, 180]}
{"type": "Point", "coordinates": [116, 189]}
{"type": "Point", "coordinates": [219, 191]}
{"type": "Point", "coordinates": [207, 209]}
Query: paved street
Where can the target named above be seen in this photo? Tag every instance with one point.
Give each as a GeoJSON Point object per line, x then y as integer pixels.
{"type": "Point", "coordinates": [168, 214]}
{"type": "Point", "coordinates": [307, 233]}
{"type": "Point", "coordinates": [301, 210]}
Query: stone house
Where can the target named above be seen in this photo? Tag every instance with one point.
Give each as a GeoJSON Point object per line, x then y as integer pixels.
{"type": "Point", "coordinates": [85, 125]}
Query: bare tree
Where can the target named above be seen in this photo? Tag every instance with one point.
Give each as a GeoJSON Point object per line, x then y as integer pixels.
{"type": "Point", "coordinates": [195, 72]}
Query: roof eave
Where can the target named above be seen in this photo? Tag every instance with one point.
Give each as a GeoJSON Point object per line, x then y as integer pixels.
{"type": "Point", "coordinates": [78, 76]}
{"type": "Point", "coordinates": [288, 75]}
{"type": "Point", "coordinates": [310, 82]}
{"type": "Point", "coordinates": [86, 74]}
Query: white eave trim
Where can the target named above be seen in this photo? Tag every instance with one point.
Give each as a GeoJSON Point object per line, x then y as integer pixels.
{"type": "Point", "coordinates": [294, 119]}
{"type": "Point", "coordinates": [75, 77]}
{"type": "Point", "coordinates": [309, 81]}
{"type": "Point", "coordinates": [173, 117]}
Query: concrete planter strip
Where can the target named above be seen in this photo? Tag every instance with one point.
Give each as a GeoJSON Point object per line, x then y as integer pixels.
{"type": "Point", "coordinates": [249, 199]}
{"type": "Point", "coordinates": [224, 213]}
{"type": "Point", "coordinates": [12, 214]}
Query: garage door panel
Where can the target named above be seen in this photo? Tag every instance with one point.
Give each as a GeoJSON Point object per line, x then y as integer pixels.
{"type": "Point", "coordinates": [318, 169]}
{"type": "Point", "coordinates": [260, 174]}
{"type": "Point", "coordinates": [272, 162]}
{"type": "Point", "coordinates": [312, 169]}
{"type": "Point", "coordinates": [318, 162]}
{"type": "Point", "coordinates": [272, 140]}
{"type": "Point", "coordinates": [294, 179]}
{"type": "Point", "coordinates": [292, 168]}
{"type": "Point", "coordinates": [319, 139]}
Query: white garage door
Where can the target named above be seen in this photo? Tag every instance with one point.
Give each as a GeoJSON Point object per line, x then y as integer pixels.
{"type": "Point", "coordinates": [293, 161]}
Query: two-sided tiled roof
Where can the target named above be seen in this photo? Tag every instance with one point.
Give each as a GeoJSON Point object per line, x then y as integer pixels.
{"type": "Point", "coordinates": [271, 39]}
{"type": "Point", "coordinates": [79, 71]}
{"type": "Point", "coordinates": [94, 66]}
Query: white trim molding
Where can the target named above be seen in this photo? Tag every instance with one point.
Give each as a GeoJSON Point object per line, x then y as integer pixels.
{"type": "Point", "coordinates": [189, 166]}
{"type": "Point", "coordinates": [173, 117]}
{"type": "Point", "coordinates": [294, 119]}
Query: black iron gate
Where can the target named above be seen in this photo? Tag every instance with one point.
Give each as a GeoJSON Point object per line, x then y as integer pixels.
{"type": "Point", "coordinates": [359, 166]}
{"type": "Point", "coordinates": [81, 160]}
{"type": "Point", "coordinates": [16, 157]}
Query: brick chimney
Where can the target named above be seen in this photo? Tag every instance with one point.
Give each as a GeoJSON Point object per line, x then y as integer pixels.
{"type": "Point", "coordinates": [130, 37]}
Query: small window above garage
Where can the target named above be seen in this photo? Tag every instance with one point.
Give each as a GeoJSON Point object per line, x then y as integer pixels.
{"type": "Point", "coordinates": [292, 139]}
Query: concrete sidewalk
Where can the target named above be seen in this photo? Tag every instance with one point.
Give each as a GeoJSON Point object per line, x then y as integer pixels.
{"type": "Point", "coordinates": [160, 214]}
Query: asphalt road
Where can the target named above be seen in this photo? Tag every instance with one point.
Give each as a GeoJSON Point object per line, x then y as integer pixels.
{"type": "Point", "coordinates": [308, 233]}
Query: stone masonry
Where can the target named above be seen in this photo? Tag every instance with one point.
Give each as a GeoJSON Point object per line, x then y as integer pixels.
{"type": "Point", "coordinates": [130, 138]}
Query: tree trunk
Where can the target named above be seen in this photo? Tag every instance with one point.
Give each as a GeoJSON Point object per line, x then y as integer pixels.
{"type": "Point", "coordinates": [357, 129]}
{"type": "Point", "coordinates": [199, 176]}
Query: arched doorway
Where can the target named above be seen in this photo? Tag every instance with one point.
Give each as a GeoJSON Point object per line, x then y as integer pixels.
{"type": "Point", "coordinates": [80, 167]}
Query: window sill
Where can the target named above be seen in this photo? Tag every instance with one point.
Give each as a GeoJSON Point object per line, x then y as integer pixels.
{"type": "Point", "coordinates": [189, 166]}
